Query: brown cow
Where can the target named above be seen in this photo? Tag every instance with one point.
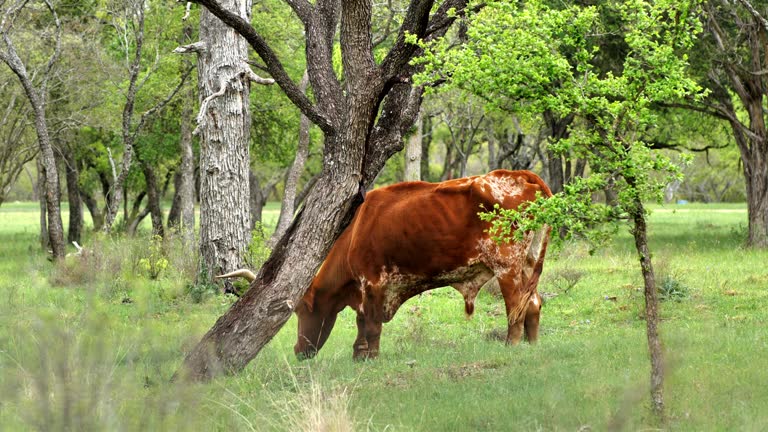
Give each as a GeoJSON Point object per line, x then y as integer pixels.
{"type": "Point", "coordinates": [415, 236]}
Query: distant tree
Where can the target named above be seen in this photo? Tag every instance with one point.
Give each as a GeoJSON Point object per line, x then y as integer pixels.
{"type": "Point", "coordinates": [36, 93]}
{"type": "Point", "coordinates": [16, 147]}
{"type": "Point", "coordinates": [731, 63]}
{"type": "Point", "coordinates": [618, 109]}
{"type": "Point", "coordinates": [128, 21]}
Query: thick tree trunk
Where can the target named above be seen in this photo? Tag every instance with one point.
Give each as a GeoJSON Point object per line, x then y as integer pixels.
{"type": "Point", "coordinates": [413, 154]}
{"type": "Point", "coordinates": [743, 46]}
{"type": "Point", "coordinates": [224, 139]}
{"type": "Point", "coordinates": [287, 208]}
{"type": "Point", "coordinates": [74, 233]}
{"type": "Point", "coordinates": [640, 232]}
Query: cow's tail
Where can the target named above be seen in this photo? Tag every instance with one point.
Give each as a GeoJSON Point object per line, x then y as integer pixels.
{"type": "Point", "coordinates": [532, 268]}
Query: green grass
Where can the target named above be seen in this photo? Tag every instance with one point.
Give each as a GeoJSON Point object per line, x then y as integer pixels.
{"type": "Point", "coordinates": [95, 349]}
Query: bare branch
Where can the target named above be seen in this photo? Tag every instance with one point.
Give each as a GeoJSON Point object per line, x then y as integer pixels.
{"type": "Point", "coordinates": [160, 105]}
{"type": "Point", "coordinates": [197, 47]}
{"type": "Point", "coordinates": [755, 14]}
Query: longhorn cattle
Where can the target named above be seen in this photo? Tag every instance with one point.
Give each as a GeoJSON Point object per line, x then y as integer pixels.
{"type": "Point", "coordinates": [411, 237]}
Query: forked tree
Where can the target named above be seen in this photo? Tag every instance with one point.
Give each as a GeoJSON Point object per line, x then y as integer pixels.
{"type": "Point", "coordinates": [37, 93]}
{"type": "Point", "coordinates": [363, 116]}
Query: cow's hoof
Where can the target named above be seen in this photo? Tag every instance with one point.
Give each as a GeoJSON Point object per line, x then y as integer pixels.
{"type": "Point", "coordinates": [306, 355]}
{"type": "Point", "coordinates": [365, 355]}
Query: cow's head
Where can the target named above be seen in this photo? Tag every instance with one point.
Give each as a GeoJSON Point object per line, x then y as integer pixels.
{"type": "Point", "coordinates": [317, 314]}
{"type": "Point", "coordinates": [315, 325]}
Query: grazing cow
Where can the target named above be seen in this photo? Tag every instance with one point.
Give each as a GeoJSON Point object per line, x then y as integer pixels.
{"type": "Point", "coordinates": [411, 237]}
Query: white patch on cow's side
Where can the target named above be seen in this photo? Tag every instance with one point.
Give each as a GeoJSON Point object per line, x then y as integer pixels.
{"type": "Point", "coordinates": [502, 187]}
{"type": "Point", "coordinates": [500, 258]}
{"type": "Point", "coordinates": [535, 300]}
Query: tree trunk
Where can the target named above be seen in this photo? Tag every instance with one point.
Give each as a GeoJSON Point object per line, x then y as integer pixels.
{"type": "Point", "coordinates": [186, 188]}
{"type": "Point", "coordinates": [174, 214]}
{"type": "Point", "coordinates": [256, 199]}
{"type": "Point", "coordinates": [75, 230]}
{"type": "Point", "coordinates": [640, 232]}
{"type": "Point", "coordinates": [426, 141]}
{"type": "Point", "coordinates": [413, 154]}
{"type": "Point", "coordinates": [47, 162]}
{"type": "Point", "coordinates": [136, 215]}
{"type": "Point", "coordinates": [93, 208]}
{"type": "Point", "coordinates": [45, 240]}
{"type": "Point", "coordinates": [287, 208]}
{"type": "Point", "coordinates": [224, 139]}
{"type": "Point", "coordinates": [153, 199]}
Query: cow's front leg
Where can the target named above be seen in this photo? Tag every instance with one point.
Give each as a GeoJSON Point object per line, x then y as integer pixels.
{"type": "Point", "coordinates": [360, 347]}
{"type": "Point", "coordinates": [368, 336]}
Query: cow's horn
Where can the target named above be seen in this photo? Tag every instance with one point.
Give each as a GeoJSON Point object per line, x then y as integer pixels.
{"type": "Point", "coordinates": [244, 273]}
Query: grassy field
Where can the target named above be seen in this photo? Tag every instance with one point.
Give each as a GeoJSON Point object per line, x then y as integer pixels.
{"type": "Point", "coordinates": [91, 344]}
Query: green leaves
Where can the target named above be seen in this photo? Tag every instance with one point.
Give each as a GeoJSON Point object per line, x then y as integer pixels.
{"type": "Point", "coordinates": [530, 58]}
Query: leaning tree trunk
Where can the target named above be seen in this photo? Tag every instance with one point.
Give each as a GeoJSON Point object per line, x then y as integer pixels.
{"type": "Point", "coordinates": [224, 138]}
{"type": "Point", "coordinates": [93, 208]}
{"type": "Point", "coordinates": [51, 179]}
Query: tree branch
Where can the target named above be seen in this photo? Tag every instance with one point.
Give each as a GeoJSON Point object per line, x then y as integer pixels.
{"type": "Point", "coordinates": [302, 9]}
{"type": "Point", "coordinates": [755, 14]}
{"type": "Point", "coordinates": [160, 105]}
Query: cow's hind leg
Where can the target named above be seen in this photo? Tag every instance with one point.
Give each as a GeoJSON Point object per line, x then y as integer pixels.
{"type": "Point", "coordinates": [532, 315]}
{"type": "Point", "coordinates": [511, 290]}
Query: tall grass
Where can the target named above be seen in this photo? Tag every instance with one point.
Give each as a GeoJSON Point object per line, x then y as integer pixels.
{"type": "Point", "coordinates": [90, 344]}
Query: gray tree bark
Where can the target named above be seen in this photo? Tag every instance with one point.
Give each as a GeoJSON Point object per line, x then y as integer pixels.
{"type": "Point", "coordinates": [187, 183]}
{"type": "Point", "coordinates": [413, 153]}
{"type": "Point", "coordinates": [224, 125]}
